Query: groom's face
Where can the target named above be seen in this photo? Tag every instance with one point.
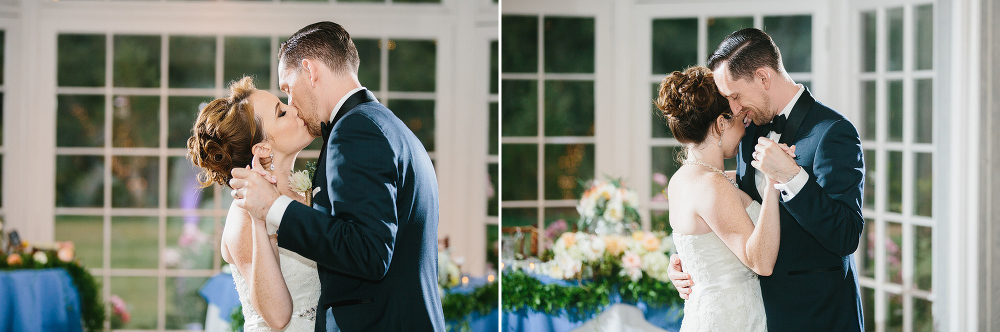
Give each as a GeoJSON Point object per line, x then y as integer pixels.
{"type": "Point", "coordinates": [295, 83]}
{"type": "Point", "coordinates": [744, 95]}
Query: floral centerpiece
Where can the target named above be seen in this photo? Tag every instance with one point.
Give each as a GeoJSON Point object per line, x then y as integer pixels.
{"type": "Point", "coordinates": [608, 207]}
{"type": "Point", "coordinates": [632, 266]}
{"type": "Point", "coordinates": [581, 255]}
{"type": "Point", "coordinates": [609, 258]}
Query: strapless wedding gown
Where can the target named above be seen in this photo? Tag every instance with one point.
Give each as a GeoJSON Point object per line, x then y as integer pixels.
{"type": "Point", "coordinates": [302, 281]}
{"type": "Point", "coordinates": [726, 293]}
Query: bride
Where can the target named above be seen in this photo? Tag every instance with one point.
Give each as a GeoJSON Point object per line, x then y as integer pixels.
{"type": "Point", "coordinates": [278, 288]}
{"type": "Point", "coordinates": [725, 238]}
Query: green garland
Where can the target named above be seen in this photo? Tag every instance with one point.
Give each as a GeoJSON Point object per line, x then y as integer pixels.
{"type": "Point", "coordinates": [457, 307]}
{"type": "Point", "coordinates": [581, 302]}
{"type": "Point", "coordinates": [92, 308]}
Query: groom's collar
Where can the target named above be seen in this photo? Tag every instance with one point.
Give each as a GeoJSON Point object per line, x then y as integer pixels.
{"type": "Point", "coordinates": [791, 103]}
{"type": "Point", "coordinates": [336, 109]}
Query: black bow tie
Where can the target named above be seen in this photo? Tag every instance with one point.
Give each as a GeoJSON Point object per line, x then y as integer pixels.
{"type": "Point", "coordinates": [326, 128]}
{"type": "Point", "coordinates": [776, 125]}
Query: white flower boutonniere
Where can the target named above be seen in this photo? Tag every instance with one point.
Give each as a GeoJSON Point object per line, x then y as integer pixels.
{"type": "Point", "coordinates": [301, 182]}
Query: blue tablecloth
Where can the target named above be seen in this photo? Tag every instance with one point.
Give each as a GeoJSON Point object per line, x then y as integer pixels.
{"type": "Point", "coordinates": [39, 300]}
{"type": "Point", "coordinates": [477, 322]}
{"type": "Point", "coordinates": [220, 291]}
{"type": "Point", "coordinates": [529, 320]}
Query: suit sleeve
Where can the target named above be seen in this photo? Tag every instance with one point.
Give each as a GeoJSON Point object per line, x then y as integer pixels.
{"type": "Point", "coordinates": [358, 238]}
{"type": "Point", "coordinates": [829, 205]}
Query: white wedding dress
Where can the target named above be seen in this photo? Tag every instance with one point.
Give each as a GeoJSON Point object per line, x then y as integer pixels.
{"type": "Point", "coordinates": [726, 293]}
{"type": "Point", "coordinates": [302, 280]}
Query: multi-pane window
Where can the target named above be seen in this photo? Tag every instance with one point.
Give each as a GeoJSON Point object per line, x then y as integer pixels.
{"type": "Point", "coordinates": [895, 84]}
{"type": "Point", "coordinates": [676, 45]}
{"type": "Point", "coordinates": [548, 116]}
{"type": "Point", "coordinates": [126, 194]}
{"type": "Point", "coordinates": [492, 160]}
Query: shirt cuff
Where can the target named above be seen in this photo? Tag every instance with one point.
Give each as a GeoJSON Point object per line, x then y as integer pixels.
{"type": "Point", "coordinates": [792, 187]}
{"type": "Point", "coordinates": [276, 212]}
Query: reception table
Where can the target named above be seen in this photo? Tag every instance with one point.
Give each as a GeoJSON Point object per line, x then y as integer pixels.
{"type": "Point", "coordinates": [220, 293]}
{"type": "Point", "coordinates": [666, 318]}
{"type": "Point", "coordinates": [38, 300]}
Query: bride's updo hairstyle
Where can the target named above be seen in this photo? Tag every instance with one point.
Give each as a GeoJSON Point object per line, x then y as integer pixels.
{"type": "Point", "coordinates": [690, 103]}
{"type": "Point", "coordinates": [224, 134]}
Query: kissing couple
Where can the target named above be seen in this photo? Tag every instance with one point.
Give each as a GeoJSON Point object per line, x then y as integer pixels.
{"type": "Point", "coordinates": [363, 255]}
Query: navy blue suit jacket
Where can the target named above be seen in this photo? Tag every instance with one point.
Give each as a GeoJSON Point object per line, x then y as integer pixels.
{"type": "Point", "coordinates": [814, 286]}
{"type": "Point", "coordinates": [372, 229]}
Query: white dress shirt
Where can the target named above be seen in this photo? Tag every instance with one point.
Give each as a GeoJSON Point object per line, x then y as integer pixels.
{"type": "Point", "coordinates": [793, 186]}
{"type": "Point", "coordinates": [277, 209]}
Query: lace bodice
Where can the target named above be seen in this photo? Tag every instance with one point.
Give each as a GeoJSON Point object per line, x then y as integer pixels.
{"type": "Point", "coordinates": [726, 294]}
{"type": "Point", "coordinates": [303, 284]}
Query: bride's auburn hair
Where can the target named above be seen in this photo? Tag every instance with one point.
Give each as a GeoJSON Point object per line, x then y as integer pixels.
{"type": "Point", "coordinates": [690, 102]}
{"type": "Point", "coordinates": [224, 134]}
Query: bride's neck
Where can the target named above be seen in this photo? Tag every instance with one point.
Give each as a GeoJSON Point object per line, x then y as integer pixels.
{"type": "Point", "coordinates": [282, 170]}
{"type": "Point", "coordinates": [707, 153]}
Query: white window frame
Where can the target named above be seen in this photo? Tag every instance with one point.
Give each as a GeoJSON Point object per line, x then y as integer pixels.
{"type": "Point", "coordinates": [600, 11]}
{"type": "Point", "coordinates": [877, 213]}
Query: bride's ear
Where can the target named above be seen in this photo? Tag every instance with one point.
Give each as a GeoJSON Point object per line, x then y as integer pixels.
{"type": "Point", "coordinates": [262, 150]}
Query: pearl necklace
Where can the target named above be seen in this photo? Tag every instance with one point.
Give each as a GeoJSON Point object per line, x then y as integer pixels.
{"type": "Point", "coordinates": [695, 162]}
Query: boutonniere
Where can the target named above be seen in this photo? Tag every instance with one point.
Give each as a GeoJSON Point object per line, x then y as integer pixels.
{"type": "Point", "coordinates": [301, 182]}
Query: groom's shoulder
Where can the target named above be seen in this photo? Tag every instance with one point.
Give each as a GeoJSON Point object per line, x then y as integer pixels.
{"type": "Point", "coordinates": [823, 114]}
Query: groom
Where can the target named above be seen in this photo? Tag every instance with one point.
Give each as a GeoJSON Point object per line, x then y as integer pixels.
{"type": "Point", "coordinates": [814, 286]}
{"type": "Point", "coordinates": [372, 229]}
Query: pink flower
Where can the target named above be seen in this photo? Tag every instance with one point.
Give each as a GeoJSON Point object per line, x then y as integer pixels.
{"type": "Point", "coordinates": [118, 308]}
{"type": "Point", "coordinates": [660, 178]}
{"type": "Point", "coordinates": [631, 260]}
{"type": "Point", "coordinates": [191, 235]}
{"type": "Point", "coordinates": [555, 228]}
{"type": "Point", "coordinates": [66, 251]}
{"type": "Point", "coordinates": [14, 259]}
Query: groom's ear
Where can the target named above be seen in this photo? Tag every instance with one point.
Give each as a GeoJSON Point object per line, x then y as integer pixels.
{"type": "Point", "coordinates": [764, 77]}
{"type": "Point", "coordinates": [311, 70]}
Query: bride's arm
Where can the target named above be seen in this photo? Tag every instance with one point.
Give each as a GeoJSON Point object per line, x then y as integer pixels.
{"type": "Point", "coordinates": [257, 260]}
{"type": "Point", "coordinates": [762, 246]}
{"type": "Point", "coordinates": [723, 210]}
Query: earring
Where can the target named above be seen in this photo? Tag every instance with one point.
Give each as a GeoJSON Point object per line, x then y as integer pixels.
{"type": "Point", "coordinates": [272, 161]}
{"type": "Point", "coordinates": [272, 166]}
{"type": "Point", "coordinates": [720, 138]}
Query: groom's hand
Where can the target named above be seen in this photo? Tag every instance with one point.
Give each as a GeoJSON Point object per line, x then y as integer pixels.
{"type": "Point", "coordinates": [682, 281]}
{"type": "Point", "coordinates": [253, 192]}
{"type": "Point", "coordinates": [774, 160]}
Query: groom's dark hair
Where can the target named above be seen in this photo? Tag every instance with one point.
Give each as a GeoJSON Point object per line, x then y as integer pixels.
{"type": "Point", "coordinates": [325, 41]}
{"type": "Point", "coordinates": [745, 51]}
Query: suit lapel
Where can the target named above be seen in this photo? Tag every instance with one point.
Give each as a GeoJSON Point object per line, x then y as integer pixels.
{"type": "Point", "coordinates": [797, 115]}
{"type": "Point", "coordinates": [319, 178]}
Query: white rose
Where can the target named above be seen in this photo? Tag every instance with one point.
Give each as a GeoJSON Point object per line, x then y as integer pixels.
{"type": "Point", "coordinates": [300, 182]}
{"type": "Point", "coordinates": [40, 257]}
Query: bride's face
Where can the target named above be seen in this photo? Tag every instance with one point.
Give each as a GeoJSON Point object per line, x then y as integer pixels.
{"type": "Point", "coordinates": [286, 131]}
{"type": "Point", "coordinates": [734, 133]}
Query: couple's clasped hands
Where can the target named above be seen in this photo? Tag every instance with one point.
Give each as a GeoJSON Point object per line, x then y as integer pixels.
{"type": "Point", "coordinates": [777, 162]}
{"type": "Point", "coordinates": [254, 189]}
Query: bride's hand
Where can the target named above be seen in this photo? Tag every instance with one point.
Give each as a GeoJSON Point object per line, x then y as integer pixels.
{"type": "Point", "coordinates": [790, 150]}
{"type": "Point", "coordinates": [259, 169]}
